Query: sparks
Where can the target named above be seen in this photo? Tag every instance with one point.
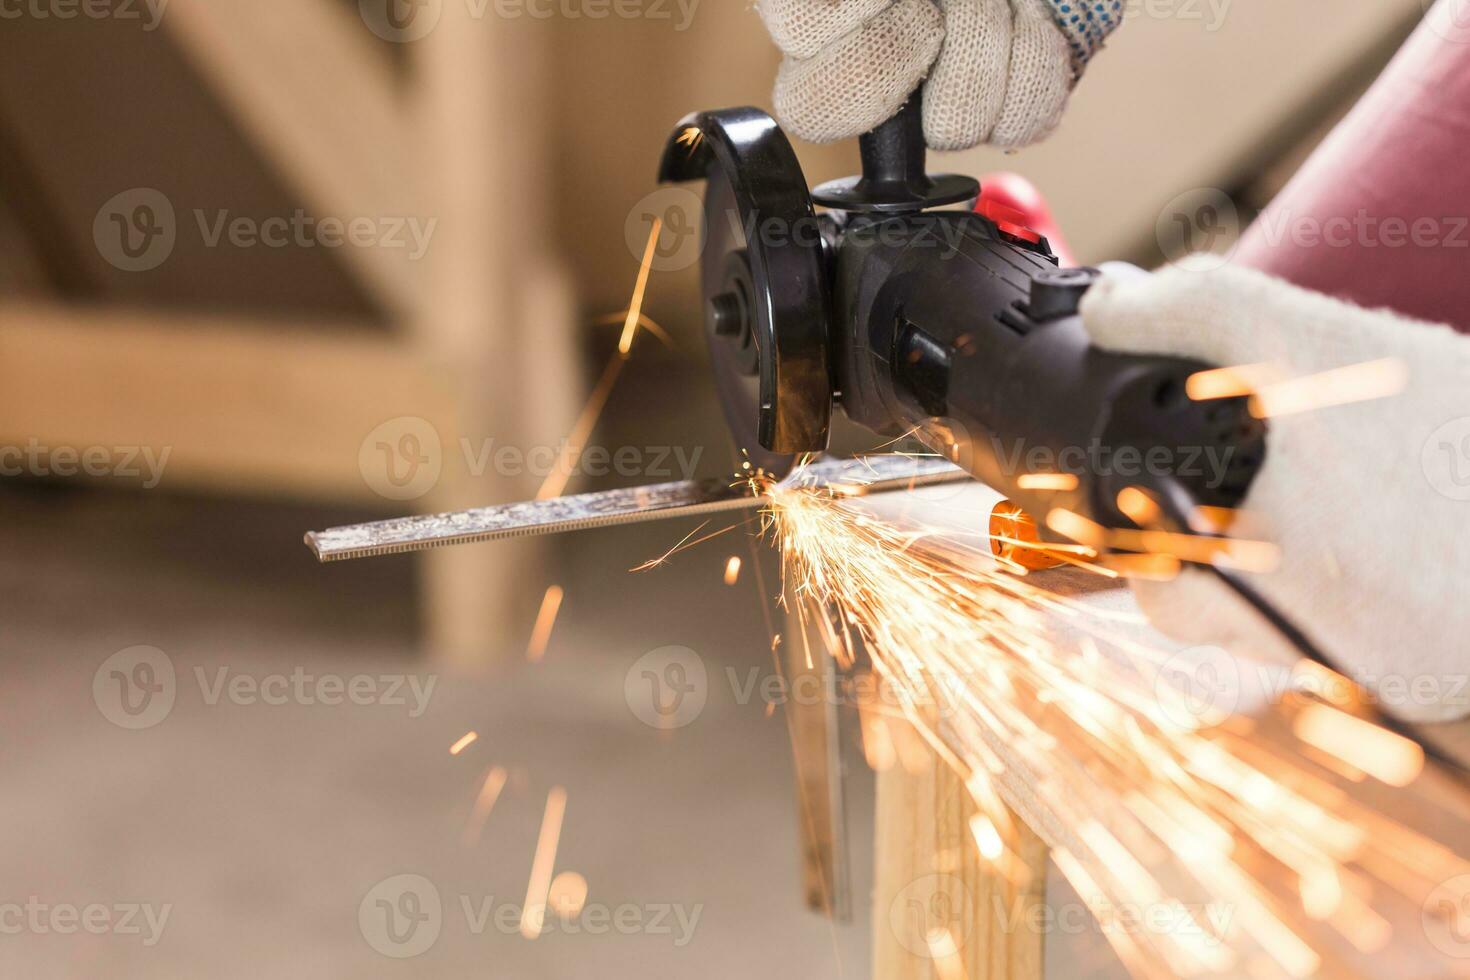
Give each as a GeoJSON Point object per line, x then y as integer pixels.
{"type": "Point", "coordinates": [567, 894]}
{"type": "Point", "coordinates": [555, 483]}
{"type": "Point", "coordinates": [1231, 382]}
{"type": "Point", "coordinates": [635, 307]}
{"type": "Point", "coordinates": [732, 570]}
{"type": "Point", "coordinates": [1341, 386]}
{"type": "Point", "coordinates": [1153, 802]}
{"type": "Point", "coordinates": [1139, 507]}
{"type": "Point", "coordinates": [1047, 481]}
{"type": "Point", "coordinates": [484, 803]}
{"type": "Point", "coordinates": [538, 887]}
{"type": "Point", "coordinates": [945, 953]}
{"type": "Point", "coordinates": [645, 322]}
{"type": "Point", "coordinates": [1382, 754]}
{"type": "Point", "coordinates": [465, 741]}
{"type": "Point", "coordinates": [545, 622]}
{"type": "Point", "coordinates": [691, 137]}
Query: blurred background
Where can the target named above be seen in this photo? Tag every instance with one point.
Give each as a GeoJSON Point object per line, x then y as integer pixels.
{"type": "Point", "coordinates": [271, 266]}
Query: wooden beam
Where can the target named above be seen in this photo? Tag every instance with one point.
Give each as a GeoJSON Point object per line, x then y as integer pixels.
{"type": "Point", "coordinates": [497, 307]}
{"type": "Point", "coordinates": [251, 406]}
{"type": "Point", "coordinates": [930, 880]}
{"type": "Point", "coordinates": [308, 82]}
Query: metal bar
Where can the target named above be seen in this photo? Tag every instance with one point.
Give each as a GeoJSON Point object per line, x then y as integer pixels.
{"type": "Point", "coordinates": [860, 476]}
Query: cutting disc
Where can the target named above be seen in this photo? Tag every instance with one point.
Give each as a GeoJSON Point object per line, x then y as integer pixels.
{"type": "Point", "coordinates": [764, 283]}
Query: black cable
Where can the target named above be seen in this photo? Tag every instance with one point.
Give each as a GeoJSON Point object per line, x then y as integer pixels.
{"type": "Point", "coordinates": [1174, 501]}
{"type": "Point", "coordinates": [1292, 634]}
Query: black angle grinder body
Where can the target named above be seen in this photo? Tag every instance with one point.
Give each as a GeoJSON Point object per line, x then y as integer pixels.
{"type": "Point", "coordinates": [934, 322]}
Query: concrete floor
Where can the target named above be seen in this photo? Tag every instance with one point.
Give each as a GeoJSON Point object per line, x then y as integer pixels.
{"type": "Point", "coordinates": [262, 829]}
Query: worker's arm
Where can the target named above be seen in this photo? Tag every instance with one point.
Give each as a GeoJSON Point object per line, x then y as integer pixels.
{"type": "Point", "coordinates": [1369, 502]}
{"type": "Point", "coordinates": [998, 71]}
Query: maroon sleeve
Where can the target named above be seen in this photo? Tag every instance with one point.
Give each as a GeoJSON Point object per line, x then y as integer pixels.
{"type": "Point", "coordinates": [1380, 214]}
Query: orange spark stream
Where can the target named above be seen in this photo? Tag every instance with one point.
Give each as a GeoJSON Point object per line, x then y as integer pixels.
{"type": "Point", "coordinates": [1231, 840]}
{"type": "Point", "coordinates": [484, 803]}
{"type": "Point", "coordinates": [635, 306]}
{"type": "Point", "coordinates": [545, 622]}
{"type": "Point", "coordinates": [556, 481]}
{"type": "Point", "coordinates": [465, 741]}
{"type": "Point", "coordinates": [538, 887]}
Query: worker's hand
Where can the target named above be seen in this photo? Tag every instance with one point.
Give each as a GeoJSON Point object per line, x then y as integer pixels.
{"type": "Point", "coordinates": [1369, 502]}
{"type": "Point", "coordinates": [999, 71]}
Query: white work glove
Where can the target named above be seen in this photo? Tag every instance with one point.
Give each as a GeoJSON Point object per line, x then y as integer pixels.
{"type": "Point", "coordinates": [1001, 69]}
{"type": "Point", "coordinates": [1369, 502]}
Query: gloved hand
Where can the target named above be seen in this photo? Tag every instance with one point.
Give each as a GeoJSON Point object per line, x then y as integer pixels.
{"type": "Point", "coordinates": [1001, 69]}
{"type": "Point", "coordinates": [1369, 502]}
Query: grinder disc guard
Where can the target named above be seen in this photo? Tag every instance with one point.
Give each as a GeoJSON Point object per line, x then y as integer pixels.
{"type": "Point", "coordinates": [763, 282]}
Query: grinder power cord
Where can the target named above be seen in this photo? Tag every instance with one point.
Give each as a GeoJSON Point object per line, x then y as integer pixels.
{"type": "Point", "coordinates": [1361, 499]}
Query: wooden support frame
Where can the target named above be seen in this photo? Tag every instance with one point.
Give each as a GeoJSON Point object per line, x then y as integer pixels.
{"type": "Point", "coordinates": [488, 306]}
{"type": "Point", "coordinates": [327, 114]}
{"type": "Point", "coordinates": [243, 405]}
{"type": "Point", "coordinates": [931, 882]}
